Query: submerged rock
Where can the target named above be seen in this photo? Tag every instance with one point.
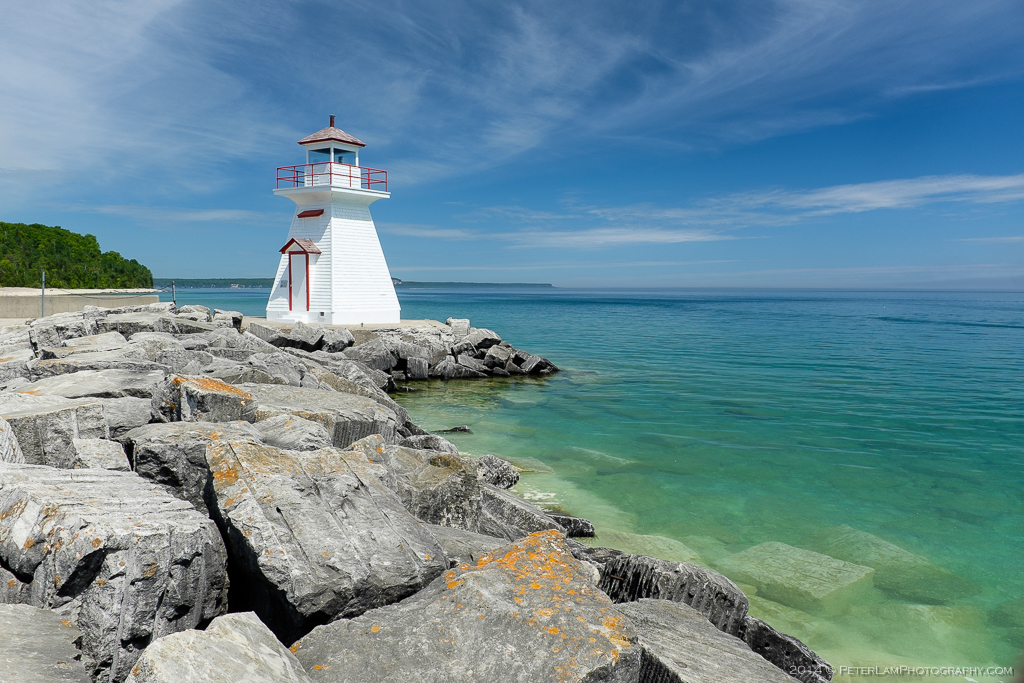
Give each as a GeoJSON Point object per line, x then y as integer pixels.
{"type": "Point", "coordinates": [800, 578]}
{"type": "Point", "coordinates": [627, 578]}
{"type": "Point", "coordinates": [526, 612]}
{"type": "Point", "coordinates": [39, 646]}
{"type": "Point", "coordinates": [234, 648]}
{"type": "Point", "coordinates": [681, 646]}
{"type": "Point", "coordinates": [314, 536]}
{"type": "Point", "coordinates": [896, 570]}
{"type": "Point", "coordinates": [119, 555]}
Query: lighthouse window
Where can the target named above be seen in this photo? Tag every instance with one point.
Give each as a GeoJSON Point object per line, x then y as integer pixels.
{"type": "Point", "coordinates": [343, 157]}
{"type": "Point", "coordinates": [319, 156]}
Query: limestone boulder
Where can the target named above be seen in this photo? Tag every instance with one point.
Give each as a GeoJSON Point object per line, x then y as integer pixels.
{"type": "Point", "coordinates": [95, 360]}
{"type": "Point", "coordinates": [482, 338]}
{"type": "Point", "coordinates": [439, 488]}
{"type": "Point", "coordinates": [235, 371]}
{"type": "Point", "coordinates": [100, 454]}
{"type": "Point", "coordinates": [898, 571]}
{"type": "Point", "coordinates": [314, 536]}
{"type": "Point", "coordinates": [39, 646]}
{"type": "Point", "coordinates": [10, 449]}
{"type": "Point", "coordinates": [15, 363]}
{"type": "Point", "coordinates": [628, 578]}
{"type": "Point", "coordinates": [786, 652]}
{"type": "Point", "coordinates": [232, 649]}
{"type": "Point", "coordinates": [117, 554]}
{"type": "Point", "coordinates": [231, 319]}
{"type": "Point", "coordinates": [337, 340]}
{"type": "Point", "coordinates": [328, 379]}
{"type": "Point", "coordinates": [53, 330]}
{"type": "Point", "coordinates": [472, 363]}
{"type": "Point", "coordinates": [497, 472]}
{"type": "Point", "coordinates": [45, 425]}
{"type": "Point", "coordinates": [346, 417]}
{"type": "Point", "coordinates": [448, 368]}
{"type": "Point", "coordinates": [170, 352]}
{"type": "Point", "coordinates": [353, 370]}
{"type": "Point", "coordinates": [575, 527]}
{"type": "Point", "coordinates": [497, 356]}
{"type": "Point", "coordinates": [800, 578]}
{"type": "Point", "coordinates": [680, 646]}
{"type": "Point", "coordinates": [506, 515]}
{"type": "Point", "coordinates": [113, 383]}
{"type": "Point", "coordinates": [184, 398]}
{"type": "Point", "coordinates": [174, 454]}
{"type": "Point", "coordinates": [526, 612]}
{"type": "Point", "coordinates": [108, 341]}
{"type": "Point", "coordinates": [293, 433]}
{"type": "Point", "coordinates": [463, 547]}
{"type": "Point", "coordinates": [429, 442]}
{"type": "Point", "coordinates": [194, 312]}
{"type": "Point", "coordinates": [376, 354]}
{"type": "Point", "coordinates": [459, 326]}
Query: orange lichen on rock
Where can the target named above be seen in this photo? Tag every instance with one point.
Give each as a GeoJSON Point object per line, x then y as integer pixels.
{"type": "Point", "coordinates": [211, 384]}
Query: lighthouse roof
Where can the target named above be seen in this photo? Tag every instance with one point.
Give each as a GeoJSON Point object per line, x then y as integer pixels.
{"type": "Point", "coordinates": [332, 133]}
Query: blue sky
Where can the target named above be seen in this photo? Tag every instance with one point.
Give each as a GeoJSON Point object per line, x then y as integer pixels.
{"type": "Point", "coordinates": [789, 143]}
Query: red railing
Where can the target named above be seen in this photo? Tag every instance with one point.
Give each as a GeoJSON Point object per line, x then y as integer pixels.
{"type": "Point", "coordinates": [334, 175]}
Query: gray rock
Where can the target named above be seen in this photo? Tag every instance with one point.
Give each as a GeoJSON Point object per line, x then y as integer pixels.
{"type": "Point", "coordinates": [268, 334]}
{"type": "Point", "coordinates": [39, 647]}
{"type": "Point", "coordinates": [232, 649]}
{"type": "Point", "coordinates": [786, 652]}
{"type": "Point", "coordinates": [346, 417]}
{"type": "Point", "coordinates": [528, 612]}
{"type": "Point", "coordinates": [239, 355]}
{"type": "Point", "coordinates": [449, 369]}
{"type": "Point", "coordinates": [508, 516]}
{"type": "Point", "coordinates": [194, 312]}
{"type": "Point", "coordinates": [53, 330]}
{"type": "Point", "coordinates": [575, 527]}
{"type": "Point", "coordinates": [46, 426]}
{"type": "Point", "coordinates": [596, 556]}
{"type": "Point", "coordinates": [98, 360]}
{"type": "Point", "coordinates": [375, 354]}
{"type": "Point", "coordinates": [282, 368]}
{"type": "Point", "coordinates": [293, 433]}
{"type": "Point", "coordinates": [896, 570]}
{"type": "Point", "coordinates": [347, 386]}
{"type": "Point", "coordinates": [125, 414]}
{"type": "Point", "coordinates": [438, 488]}
{"type": "Point", "coordinates": [101, 454]}
{"type": "Point", "coordinates": [122, 557]}
{"type": "Point", "coordinates": [314, 536]}
{"type": "Point", "coordinates": [429, 442]}
{"type": "Point", "coordinates": [337, 340]}
{"type": "Point", "coordinates": [234, 318]}
{"type": "Point", "coordinates": [497, 472]}
{"type": "Point", "coordinates": [112, 383]}
{"type": "Point", "coordinates": [130, 323]}
{"type": "Point", "coordinates": [237, 372]}
{"type": "Point", "coordinates": [472, 364]}
{"type": "Point", "coordinates": [800, 578]}
{"type": "Point", "coordinates": [482, 338]}
{"type": "Point", "coordinates": [535, 365]}
{"type": "Point", "coordinates": [512, 369]}
{"type": "Point", "coordinates": [309, 338]}
{"type": "Point", "coordinates": [202, 399]}
{"type": "Point", "coordinates": [255, 343]}
{"type": "Point", "coordinates": [172, 353]}
{"type": "Point", "coordinates": [459, 326]}
{"type": "Point", "coordinates": [497, 356]}
{"type": "Point", "coordinates": [680, 646]}
{"type": "Point", "coordinates": [417, 369]}
{"type": "Point", "coordinates": [16, 363]}
{"type": "Point", "coordinates": [631, 577]}
{"type": "Point", "coordinates": [174, 454]}
{"type": "Point", "coordinates": [352, 370]}
{"type": "Point", "coordinates": [108, 341]}
{"type": "Point", "coordinates": [10, 450]}
{"type": "Point", "coordinates": [463, 547]}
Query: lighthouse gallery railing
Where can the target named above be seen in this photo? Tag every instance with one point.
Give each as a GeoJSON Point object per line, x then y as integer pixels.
{"type": "Point", "coordinates": [334, 175]}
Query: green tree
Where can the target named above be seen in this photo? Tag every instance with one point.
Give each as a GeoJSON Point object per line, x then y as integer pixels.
{"type": "Point", "coordinates": [70, 260]}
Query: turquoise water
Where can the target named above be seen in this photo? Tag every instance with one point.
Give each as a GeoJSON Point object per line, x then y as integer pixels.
{"type": "Point", "coordinates": [702, 423]}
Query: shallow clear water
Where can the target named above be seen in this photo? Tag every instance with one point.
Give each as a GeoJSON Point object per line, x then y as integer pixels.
{"type": "Point", "coordinates": [725, 419]}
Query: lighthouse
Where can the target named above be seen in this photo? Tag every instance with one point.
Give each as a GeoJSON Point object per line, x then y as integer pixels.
{"type": "Point", "coordinates": [332, 268]}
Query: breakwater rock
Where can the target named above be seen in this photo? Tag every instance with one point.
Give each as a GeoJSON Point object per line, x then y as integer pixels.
{"type": "Point", "coordinates": [185, 500]}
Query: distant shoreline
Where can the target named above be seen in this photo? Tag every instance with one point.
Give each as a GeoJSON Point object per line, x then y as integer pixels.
{"type": "Point", "coordinates": [267, 283]}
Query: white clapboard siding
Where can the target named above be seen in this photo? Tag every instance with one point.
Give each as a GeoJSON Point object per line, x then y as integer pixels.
{"type": "Point", "coordinates": [349, 280]}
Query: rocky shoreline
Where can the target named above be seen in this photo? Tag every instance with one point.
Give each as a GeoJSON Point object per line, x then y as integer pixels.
{"type": "Point", "coordinates": [182, 500]}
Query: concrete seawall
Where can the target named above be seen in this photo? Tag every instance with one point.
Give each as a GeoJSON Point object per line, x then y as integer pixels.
{"type": "Point", "coordinates": [24, 302]}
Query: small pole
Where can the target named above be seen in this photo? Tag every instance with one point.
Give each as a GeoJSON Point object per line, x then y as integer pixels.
{"type": "Point", "coordinates": [42, 298]}
{"type": "Point", "coordinates": [173, 300]}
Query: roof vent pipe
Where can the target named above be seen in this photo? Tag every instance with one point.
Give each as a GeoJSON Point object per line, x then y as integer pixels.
{"type": "Point", "coordinates": [332, 120]}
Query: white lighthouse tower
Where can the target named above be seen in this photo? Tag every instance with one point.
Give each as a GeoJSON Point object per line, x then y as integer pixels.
{"type": "Point", "coordinates": [332, 267]}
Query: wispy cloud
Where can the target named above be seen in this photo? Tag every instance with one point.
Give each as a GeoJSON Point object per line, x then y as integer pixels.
{"type": "Point", "coordinates": [558, 265]}
{"type": "Point", "coordinates": [162, 214]}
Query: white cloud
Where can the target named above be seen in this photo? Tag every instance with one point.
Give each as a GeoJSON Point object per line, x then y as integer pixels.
{"type": "Point", "coordinates": [1009, 239]}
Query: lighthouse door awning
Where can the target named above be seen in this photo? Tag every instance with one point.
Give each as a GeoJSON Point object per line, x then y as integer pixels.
{"type": "Point", "coordinates": [298, 250]}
